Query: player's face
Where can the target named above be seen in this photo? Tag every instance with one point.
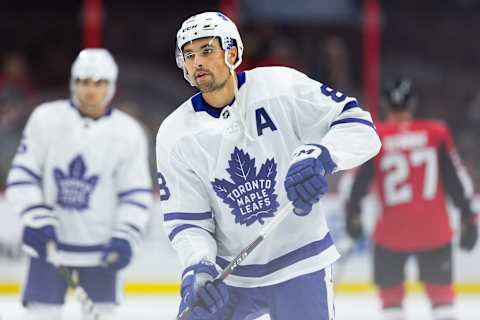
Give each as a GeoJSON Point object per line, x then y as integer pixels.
{"type": "Point", "coordinates": [205, 64]}
{"type": "Point", "coordinates": [91, 95]}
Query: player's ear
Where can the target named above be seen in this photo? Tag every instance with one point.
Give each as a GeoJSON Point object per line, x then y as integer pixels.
{"type": "Point", "coordinates": [232, 55]}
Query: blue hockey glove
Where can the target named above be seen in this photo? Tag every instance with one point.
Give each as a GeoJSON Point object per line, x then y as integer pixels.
{"type": "Point", "coordinates": [116, 254]}
{"type": "Point", "coordinates": [37, 239]}
{"type": "Point", "coordinates": [305, 182]}
{"type": "Point", "coordinates": [204, 296]}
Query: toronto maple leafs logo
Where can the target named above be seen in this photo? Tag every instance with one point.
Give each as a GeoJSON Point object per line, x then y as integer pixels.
{"type": "Point", "coordinates": [74, 187]}
{"type": "Point", "coordinates": [251, 196]}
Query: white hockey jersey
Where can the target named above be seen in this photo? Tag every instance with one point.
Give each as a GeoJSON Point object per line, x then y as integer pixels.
{"type": "Point", "coordinates": [89, 177]}
{"type": "Point", "coordinates": [221, 172]}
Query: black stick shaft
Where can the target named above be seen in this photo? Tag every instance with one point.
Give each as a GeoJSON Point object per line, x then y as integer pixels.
{"type": "Point", "coordinates": [229, 269]}
{"type": "Point", "coordinates": [247, 250]}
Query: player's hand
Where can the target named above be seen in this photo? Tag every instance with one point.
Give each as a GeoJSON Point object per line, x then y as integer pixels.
{"type": "Point", "coordinates": [204, 296]}
{"type": "Point", "coordinates": [35, 240]}
{"type": "Point", "coordinates": [117, 254]}
{"type": "Point", "coordinates": [305, 182]}
{"type": "Point", "coordinates": [468, 233]}
{"type": "Point", "coordinates": [354, 226]}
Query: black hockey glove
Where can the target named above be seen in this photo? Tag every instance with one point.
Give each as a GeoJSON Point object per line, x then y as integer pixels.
{"type": "Point", "coordinates": [468, 232]}
{"type": "Point", "coordinates": [353, 222]}
{"type": "Point", "coordinates": [354, 226]}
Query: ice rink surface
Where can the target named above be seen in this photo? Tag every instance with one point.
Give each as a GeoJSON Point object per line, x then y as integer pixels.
{"type": "Point", "coordinates": [348, 307]}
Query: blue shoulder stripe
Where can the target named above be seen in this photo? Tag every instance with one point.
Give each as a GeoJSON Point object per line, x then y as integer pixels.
{"type": "Point", "coordinates": [182, 227]}
{"type": "Point", "coordinates": [187, 216]}
{"type": "Point", "coordinates": [352, 120]}
{"type": "Point", "coordinates": [350, 105]}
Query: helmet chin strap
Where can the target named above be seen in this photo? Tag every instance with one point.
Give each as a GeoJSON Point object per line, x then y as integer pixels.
{"type": "Point", "coordinates": [240, 106]}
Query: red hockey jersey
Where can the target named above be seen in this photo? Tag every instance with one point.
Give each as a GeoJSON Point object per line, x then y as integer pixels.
{"type": "Point", "coordinates": [414, 171]}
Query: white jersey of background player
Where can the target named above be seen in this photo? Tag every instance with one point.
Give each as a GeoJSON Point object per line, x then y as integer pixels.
{"type": "Point", "coordinates": [223, 157]}
{"type": "Point", "coordinates": [80, 178]}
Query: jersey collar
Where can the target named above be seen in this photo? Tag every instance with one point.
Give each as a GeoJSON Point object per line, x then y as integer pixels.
{"type": "Point", "coordinates": [199, 104]}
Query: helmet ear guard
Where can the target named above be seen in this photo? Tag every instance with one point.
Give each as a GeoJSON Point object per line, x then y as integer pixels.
{"type": "Point", "coordinates": [179, 57]}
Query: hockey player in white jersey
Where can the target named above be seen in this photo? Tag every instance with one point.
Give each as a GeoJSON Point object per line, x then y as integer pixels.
{"type": "Point", "coordinates": [231, 156]}
{"type": "Point", "coordinates": [80, 179]}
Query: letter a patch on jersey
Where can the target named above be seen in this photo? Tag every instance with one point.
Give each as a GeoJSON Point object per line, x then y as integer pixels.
{"type": "Point", "coordinates": [74, 187]}
{"type": "Point", "coordinates": [251, 196]}
{"type": "Point", "coordinates": [263, 121]}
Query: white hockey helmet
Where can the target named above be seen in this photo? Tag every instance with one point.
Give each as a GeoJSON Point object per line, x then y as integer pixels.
{"type": "Point", "coordinates": [209, 24]}
{"type": "Point", "coordinates": [96, 64]}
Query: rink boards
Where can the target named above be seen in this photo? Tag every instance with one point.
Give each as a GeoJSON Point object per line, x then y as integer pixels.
{"type": "Point", "coordinates": [156, 268]}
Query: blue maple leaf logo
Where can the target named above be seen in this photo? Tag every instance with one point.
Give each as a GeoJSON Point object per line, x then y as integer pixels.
{"type": "Point", "coordinates": [74, 188]}
{"type": "Point", "coordinates": [251, 196]}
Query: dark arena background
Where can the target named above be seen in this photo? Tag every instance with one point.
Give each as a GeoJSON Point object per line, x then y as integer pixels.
{"type": "Point", "coordinates": [351, 45]}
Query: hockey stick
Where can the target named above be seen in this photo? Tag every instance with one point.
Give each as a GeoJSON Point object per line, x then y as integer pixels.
{"type": "Point", "coordinates": [71, 278]}
{"type": "Point", "coordinates": [247, 250]}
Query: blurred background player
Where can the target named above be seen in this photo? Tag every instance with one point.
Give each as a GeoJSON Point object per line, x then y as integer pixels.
{"type": "Point", "coordinates": [80, 179]}
{"type": "Point", "coordinates": [415, 171]}
{"type": "Point", "coordinates": [295, 131]}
